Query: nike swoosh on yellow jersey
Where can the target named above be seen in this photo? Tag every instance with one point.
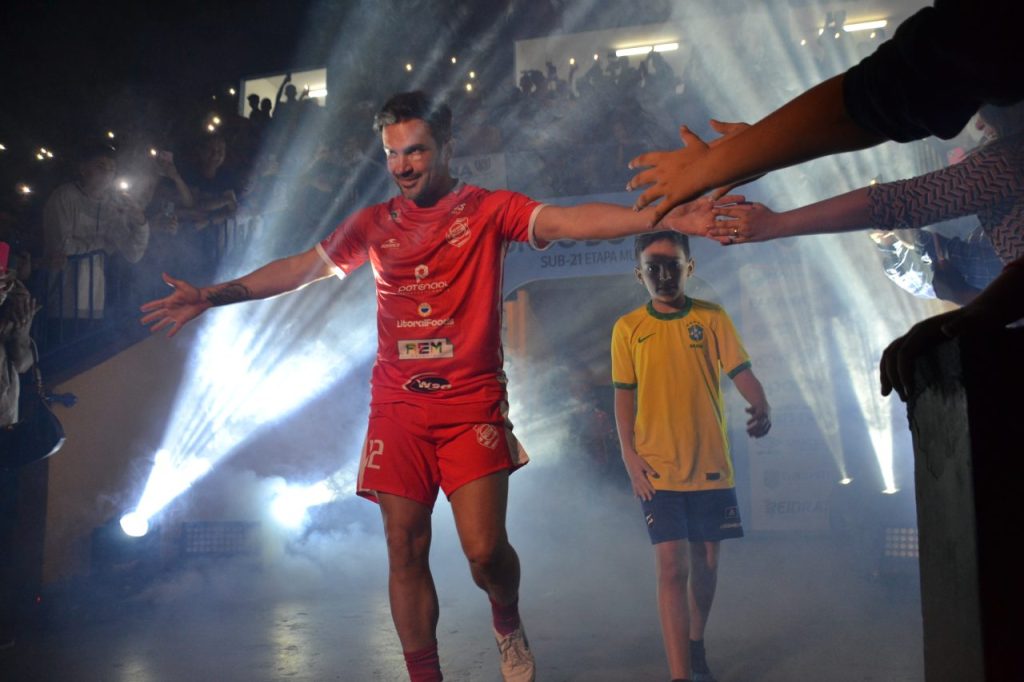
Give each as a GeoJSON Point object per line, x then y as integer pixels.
{"type": "Point", "coordinates": [644, 338]}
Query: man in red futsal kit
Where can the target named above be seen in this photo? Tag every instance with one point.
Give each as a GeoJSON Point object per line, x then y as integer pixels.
{"type": "Point", "coordinates": [438, 401]}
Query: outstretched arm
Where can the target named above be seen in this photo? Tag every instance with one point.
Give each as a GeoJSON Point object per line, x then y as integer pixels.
{"type": "Point", "coordinates": [610, 221]}
{"type": "Point", "coordinates": [812, 125]}
{"type": "Point", "coordinates": [753, 222]}
{"type": "Point", "coordinates": [760, 421]}
{"type": "Point", "coordinates": [277, 277]}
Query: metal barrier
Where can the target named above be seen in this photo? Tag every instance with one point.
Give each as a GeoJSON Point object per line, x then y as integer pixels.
{"type": "Point", "coordinates": [90, 307]}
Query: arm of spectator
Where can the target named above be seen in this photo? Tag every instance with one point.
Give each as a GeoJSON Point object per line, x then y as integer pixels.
{"type": "Point", "coordinates": [640, 472]}
{"type": "Point", "coordinates": [609, 221]}
{"type": "Point", "coordinates": [167, 169]}
{"type": "Point", "coordinates": [760, 421]}
{"type": "Point", "coordinates": [277, 277]}
{"type": "Point", "coordinates": [812, 125]}
{"type": "Point", "coordinates": [754, 222]}
{"type": "Point", "coordinates": [132, 237]}
{"type": "Point", "coordinates": [277, 97]}
{"type": "Point", "coordinates": [16, 321]}
{"type": "Point", "coordinates": [1001, 303]}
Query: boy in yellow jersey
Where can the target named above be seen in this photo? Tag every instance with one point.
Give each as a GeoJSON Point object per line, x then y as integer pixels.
{"type": "Point", "coordinates": [667, 360]}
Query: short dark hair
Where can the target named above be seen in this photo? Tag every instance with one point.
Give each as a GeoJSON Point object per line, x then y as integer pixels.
{"type": "Point", "coordinates": [407, 106]}
{"type": "Point", "coordinates": [677, 238]}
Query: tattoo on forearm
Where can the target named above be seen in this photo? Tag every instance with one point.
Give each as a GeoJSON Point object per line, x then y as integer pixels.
{"type": "Point", "coordinates": [229, 293]}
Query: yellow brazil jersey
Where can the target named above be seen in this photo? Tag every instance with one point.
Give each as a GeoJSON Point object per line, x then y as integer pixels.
{"type": "Point", "coordinates": [674, 363]}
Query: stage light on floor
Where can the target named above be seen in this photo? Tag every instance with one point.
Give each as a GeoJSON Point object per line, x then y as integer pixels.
{"type": "Point", "coordinates": [846, 480]}
{"type": "Point", "coordinates": [134, 524]}
{"type": "Point", "coordinates": [291, 502]}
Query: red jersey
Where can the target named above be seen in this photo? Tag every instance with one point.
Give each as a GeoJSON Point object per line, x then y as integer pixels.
{"type": "Point", "coordinates": [438, 272]}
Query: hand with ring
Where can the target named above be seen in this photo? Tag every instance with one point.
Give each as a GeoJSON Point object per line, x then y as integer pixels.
{"type": "Point", "coordinates": [746, 222]}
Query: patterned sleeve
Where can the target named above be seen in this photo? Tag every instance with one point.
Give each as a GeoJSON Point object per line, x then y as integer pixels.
{"type": "Point", "coordinates": [345, 248]}
{"type": "Point", "coordinates": [731, 352]}
{"type": "Point", "coordinates": [623, 371]}
{"type": "Point", "coordinates": [988, 177]}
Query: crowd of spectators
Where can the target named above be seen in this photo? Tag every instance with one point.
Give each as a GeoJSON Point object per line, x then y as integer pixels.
{"type": "Point", "coordinates": [179, 183]}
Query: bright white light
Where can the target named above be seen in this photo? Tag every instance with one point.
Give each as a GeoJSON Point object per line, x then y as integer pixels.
{"type": "Point", "coordinates": [134, 524]}
{"type": "Point", "coordinates": [211, 128]}
{"type": "Point", "coordinates": [845, 481]}
{"type": "Point", "coordinates": [596, 57]}
{"type": "Point", "coordinates": [24, 189]}
{"type": "Point", "coordinates": [873, 34]}
{"type": "Point", "coordinates": [216, 120]}
{"type": "Point", "coordinates": [572, 61]}
{"type": "Point", "coordinates": [40, 157]}
{"type": "Point", "coordinates": [803, 42]}
{"type": "Point", "coordinates": [124, 185]}
{"type": "Point", "coordinates": [170, 477]}
{"type": "Point", "coordinates": [232, 91]}
{"type": "Point", "coordinates": [630, 51]}
{"type": "Point", "coordinates": [320, 91]}
{"type": "Point", "coordinates": [469, 87]}
{"type": "Point", "coordinates": [865, 25]}
{"type": "Point", "coordinates": [408, 66]}
{"type": "Point", "coordinates": [666, 47]}
{"type": "Point", "coordinates": [110, 134]}
{"type": "Point", "coordinates": [454, 60]}
{"type": "Point", "coordinates": [891, 491]}
{"type": "Point", "coordinates": [152, 151]}
{"type": "Point", "coordinates": [3, 148]}
{"type": "Point", "coordinates": [42, 150]}
{"type": "Point", "coordinates": [836, 36]}
{"type": "Point", "coordinates": [472, 74]}
{"type": "Point", "coordinates": [821, 31]}
{"type": "Point", "coordinates": [292, 502]}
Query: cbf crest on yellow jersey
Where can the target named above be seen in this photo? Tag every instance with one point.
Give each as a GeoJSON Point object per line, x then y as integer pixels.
{"type": "Point", "coordinates": [674, 363]}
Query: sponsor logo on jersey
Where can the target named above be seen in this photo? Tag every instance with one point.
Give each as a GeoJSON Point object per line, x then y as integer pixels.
{"type": "Point", "coordinates": [696, 331]}
{"type": "Point", "coordinates": [487, 435]}
{"type": "Point", "coordinates": [459, 209]}
{"type": "Point", "coordinates": [427, 383]}
{"type": "Point", "coordinates": [391, 243]}
{"type": "Point", "coordinates": [459, 233]}
{"type": "Point", "coordinates": [421, 272]}
{"type": "Point", "coordinates": [425, 349]}
{"type": "Point", "coordinates": [437, 285]}
{"type": "Point", "coordinates": [423, 309]}
{"type": "Point", "coordinates": [429, 322]}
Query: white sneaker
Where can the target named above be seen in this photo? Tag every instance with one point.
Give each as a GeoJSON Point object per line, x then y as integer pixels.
{"type": "Point", "coordinates": [516, 658]}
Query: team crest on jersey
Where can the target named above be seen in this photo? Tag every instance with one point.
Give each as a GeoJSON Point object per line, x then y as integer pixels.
{"type": "Point", "coordinates": [427, 383]}
{"type": "Point", "coordinates": [696, 331]}
{"type": "Point", "coordinates": [459, 233]}
{"type": "Point", "coordinates": [487, 435]}
{"type": "Point", "coordinates": [391, 243]}
{"type": "Point", "coordinates": [423, 309]}
{"type": "Point", "coordinates": [425, 349]}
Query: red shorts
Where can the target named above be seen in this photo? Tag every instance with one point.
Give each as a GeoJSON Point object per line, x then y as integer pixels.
{"type": "Point", "coordinates": [412, 449]}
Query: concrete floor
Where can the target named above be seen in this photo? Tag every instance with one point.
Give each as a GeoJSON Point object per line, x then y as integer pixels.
{"type": "Point", "coordinates": [788, 608]}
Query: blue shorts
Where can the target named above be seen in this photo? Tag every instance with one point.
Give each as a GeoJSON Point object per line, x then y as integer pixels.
{"type": "Point", "coordinates": [697, 516]}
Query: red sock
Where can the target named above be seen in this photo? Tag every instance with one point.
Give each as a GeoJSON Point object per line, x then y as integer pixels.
{"type": "Point", "coordinates": [423, 665]}
{"type": "Point", "coordinates": [506, 617]}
